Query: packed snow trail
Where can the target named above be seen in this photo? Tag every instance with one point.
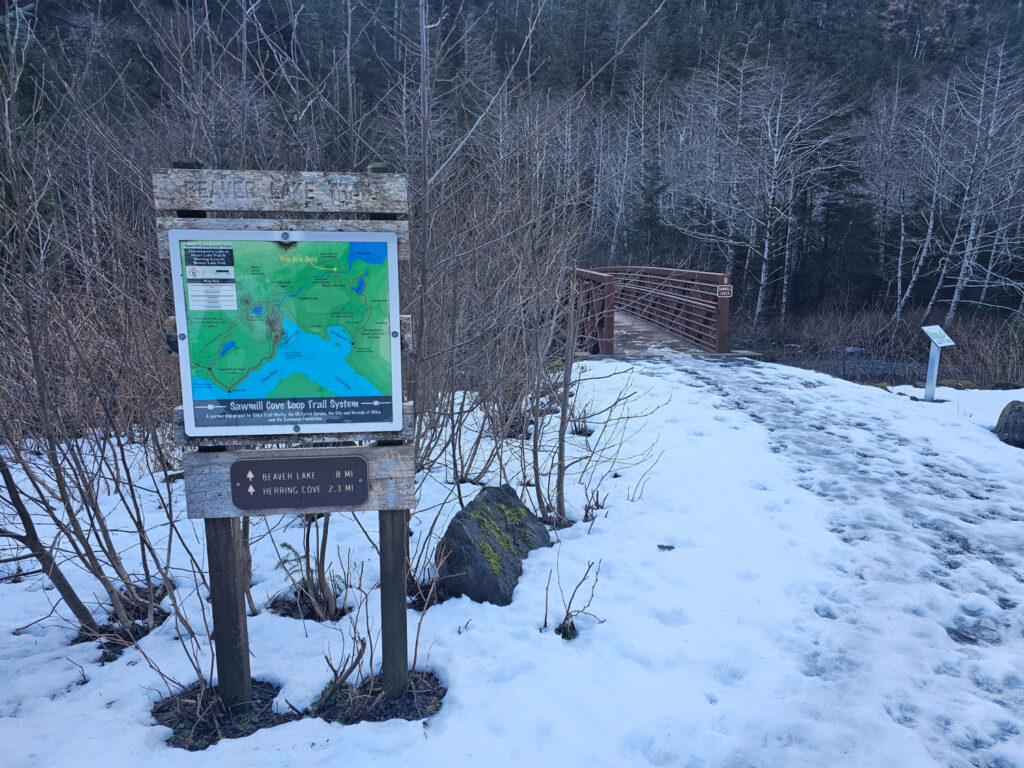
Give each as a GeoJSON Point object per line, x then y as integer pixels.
{"type": "Point", "coordinates": [924, 600]}
{"type": "Point", "coordinates": [816, 574]}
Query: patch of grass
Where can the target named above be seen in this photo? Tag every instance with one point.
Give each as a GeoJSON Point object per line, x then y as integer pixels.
{"type": "Point", "coordinates": [300, 606]}
{"type": "Point", "coordinates": [366, 703]}
{"type": "Point", "coordinates": [198, 718]}
{"type": "Point", "coordinates": [114, 638]}
{"type": "Point", "coordinates": [865, 345]}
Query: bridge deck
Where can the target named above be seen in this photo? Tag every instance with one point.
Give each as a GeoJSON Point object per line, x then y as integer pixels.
{"type": "Point", "coordinates": [638, 338]}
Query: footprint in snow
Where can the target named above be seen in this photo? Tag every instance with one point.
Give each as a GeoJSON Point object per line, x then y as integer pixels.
{"type": "Point", "coordinates": [827, 666]}
{"type": "Point", "coordinates": [826, 611]}
{"type": "Point", "coordinates": [903, 714]}
{"type": "Point", "coordinates": [728, 674]}
{"type": "Point", "coordinates": [983, 631]}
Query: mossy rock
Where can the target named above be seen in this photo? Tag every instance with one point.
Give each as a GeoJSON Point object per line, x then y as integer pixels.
{"type": "Point", "coordinates": [1010, 427]}
{"type": "Point", "coordinates": [481, 553]}
{"type": "Point", "coordinates": [958, 384]}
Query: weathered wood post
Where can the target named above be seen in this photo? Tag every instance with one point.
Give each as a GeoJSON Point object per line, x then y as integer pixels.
{"type": "Point", "coordinates": [347, 433]}
{"type": "Point", "coordinates": [606, 346]}
{"type": "Point", "coordinates": [393, 526]}
{"type": "Point", "coordinates": [394, 630]}
{"type": "Point", "coordinates": [227, 599]}
{"type": "Point", "coordinates": [227, 592]}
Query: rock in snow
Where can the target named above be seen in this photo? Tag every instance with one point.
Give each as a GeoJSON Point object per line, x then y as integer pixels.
{"type": "Point", "coordinates": [481, 553]}
{"type": "Point", "coordinates": [1010, 427]}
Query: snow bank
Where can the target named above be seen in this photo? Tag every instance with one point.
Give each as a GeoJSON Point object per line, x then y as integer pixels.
{"type": "Point", "coordinates": [838, 583]}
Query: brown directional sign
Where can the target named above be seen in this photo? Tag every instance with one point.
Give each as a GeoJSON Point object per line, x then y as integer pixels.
{"type": "Point", "coordinates": [724, 291]}
{"type": "Point", "coordinates": [288, 483]}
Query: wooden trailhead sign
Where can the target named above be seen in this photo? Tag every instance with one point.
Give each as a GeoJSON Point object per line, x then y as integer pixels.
{"type": "Point", "coordinates": [273, 483]}
{"type": "Point", "coordinates": [290, 342]}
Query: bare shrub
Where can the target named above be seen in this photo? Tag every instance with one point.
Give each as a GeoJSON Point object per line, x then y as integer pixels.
{"type": "Point", "coordinates": [865, 345]}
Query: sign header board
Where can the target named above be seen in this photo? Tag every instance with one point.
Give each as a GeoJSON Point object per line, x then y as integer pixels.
{"type": "Point", "coordinates": [938, 336]}
{"type": "Point", "coordinates": [287, 332]}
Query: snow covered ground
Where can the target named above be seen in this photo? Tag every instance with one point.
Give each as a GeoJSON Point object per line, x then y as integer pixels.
{"type": "Point", "coordinates": [840, 582]}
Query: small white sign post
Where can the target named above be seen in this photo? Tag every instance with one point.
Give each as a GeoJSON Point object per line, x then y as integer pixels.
{"type": "Point", "coordinates": [939, 340]}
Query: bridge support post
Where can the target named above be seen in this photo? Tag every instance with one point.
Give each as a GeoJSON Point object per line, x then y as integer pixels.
{"type": "Point", "coordinates": [606, 344]}
{"type": "Point", "coordinates": [722, 317]}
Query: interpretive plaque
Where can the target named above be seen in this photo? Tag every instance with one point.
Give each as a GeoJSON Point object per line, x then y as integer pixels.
{"type": "Point", "coordinates": [275, 483]}
{"type": "Point", "coordinates": [938, 336]}
{"type": "Point", "coordinates": [939, 339]}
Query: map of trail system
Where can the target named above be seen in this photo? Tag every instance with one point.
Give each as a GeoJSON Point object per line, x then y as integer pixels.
{"type": "Point", "coordinates": [288, 332]}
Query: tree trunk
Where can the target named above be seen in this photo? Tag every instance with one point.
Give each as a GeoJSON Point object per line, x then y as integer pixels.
{"type": "Point", "coordinates": [761, 289]}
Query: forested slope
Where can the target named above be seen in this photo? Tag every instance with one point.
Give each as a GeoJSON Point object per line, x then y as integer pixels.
{"type": "Point", "coordinates": [833, 158]}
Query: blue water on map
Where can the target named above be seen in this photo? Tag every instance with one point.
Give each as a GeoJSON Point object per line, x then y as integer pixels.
{"type": "Point", "coordinates": [258, 309]}
{"type": "Point", "coordinates": [361, 285]}
{"type": "Point", "coordinates": [321, 360]}
{"type": "Point", "coordinates": [226, 348]}
{"type": "Point", "coordinates": [371, 253]}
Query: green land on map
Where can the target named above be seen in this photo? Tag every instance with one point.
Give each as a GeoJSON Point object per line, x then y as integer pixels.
{"type": "Point", "coordinates": [315, 286]}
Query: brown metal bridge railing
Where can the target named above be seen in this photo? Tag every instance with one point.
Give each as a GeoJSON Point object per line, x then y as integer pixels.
{"type": "Point", "coordinates": [595, 330]}
{"type": "Point", "coordinates": [691, 305]}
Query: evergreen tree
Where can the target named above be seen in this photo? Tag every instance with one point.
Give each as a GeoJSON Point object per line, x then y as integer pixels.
{"type": "Point", "coordinates": [647, 239]}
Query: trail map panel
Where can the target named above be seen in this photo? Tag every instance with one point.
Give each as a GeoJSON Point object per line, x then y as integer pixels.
{"type": "Point", "coordinates": [287, 332]}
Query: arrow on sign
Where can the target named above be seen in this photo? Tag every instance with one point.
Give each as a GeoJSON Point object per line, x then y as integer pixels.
{"type": "Point", "coordinates": [251, 490]}
{"type": "Point", "coordinates": [249, 476]}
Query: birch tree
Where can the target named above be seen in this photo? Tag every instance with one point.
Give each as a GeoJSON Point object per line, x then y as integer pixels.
{"type": "Point", "coordinates": [990, 112]}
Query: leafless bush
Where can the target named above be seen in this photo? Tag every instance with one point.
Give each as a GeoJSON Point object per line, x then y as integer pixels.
{"type": "Point", "coordinates": [499, 219]}
{"type": "Point", "coordinates": [316, 592]}
{"type": "Point", "coordinates": [865, 345]}
{"type": "Point", "coordinates": [566, 628]}
{"type": "Point", "coordinates": [74, 341]}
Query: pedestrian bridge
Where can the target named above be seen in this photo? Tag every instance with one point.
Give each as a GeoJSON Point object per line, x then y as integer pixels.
{"type": "Point", "coordinates": [629, 311]}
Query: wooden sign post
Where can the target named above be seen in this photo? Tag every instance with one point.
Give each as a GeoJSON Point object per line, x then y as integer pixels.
{"type": "Point", "coordinates": [289, 342]}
